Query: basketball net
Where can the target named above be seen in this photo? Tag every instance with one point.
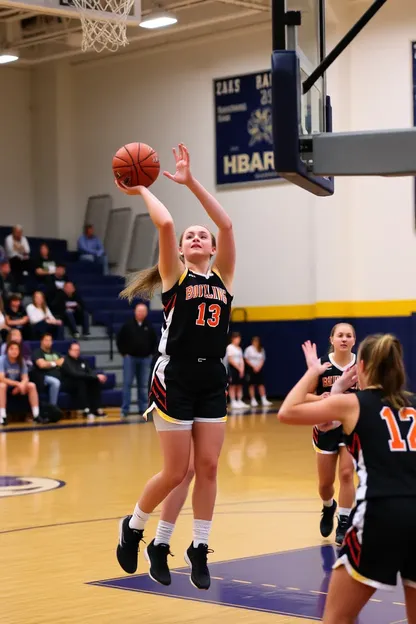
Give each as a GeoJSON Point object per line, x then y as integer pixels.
{"type": "Point", "coordinates": [100, 32]}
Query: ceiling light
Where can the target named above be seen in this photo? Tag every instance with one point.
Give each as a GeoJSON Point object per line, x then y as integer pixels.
{"type": "Point", "coordinates": [8, 56]}
{"type": "Point", "coordinates": [158, 20]}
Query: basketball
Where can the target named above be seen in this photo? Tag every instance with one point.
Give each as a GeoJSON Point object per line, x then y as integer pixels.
{"type": "Point", "coordinates": [136, 164]}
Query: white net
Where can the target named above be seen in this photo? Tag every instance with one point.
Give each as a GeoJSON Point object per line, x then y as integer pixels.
{"type": "Point", "coordinates": [104, 23]}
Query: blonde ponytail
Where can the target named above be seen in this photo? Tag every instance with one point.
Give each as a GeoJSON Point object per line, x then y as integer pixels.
{"type": "Point", "coordinates": [382, 355]}
{"type": "Point", "coordinates": [142, 284]}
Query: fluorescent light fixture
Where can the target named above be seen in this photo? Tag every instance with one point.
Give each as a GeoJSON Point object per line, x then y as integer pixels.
{"type": "Point", "coordinates": [158, 20]}
{"type": "Point", "coordinates": [8, 56]}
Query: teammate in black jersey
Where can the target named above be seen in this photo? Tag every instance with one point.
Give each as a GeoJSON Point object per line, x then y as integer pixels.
{"type": "Point", "coordinates": [189, 380]}
{"type": "Point", "coordinates": [328, 441]}
{"type": "Point", "coordinates": [380, 421]}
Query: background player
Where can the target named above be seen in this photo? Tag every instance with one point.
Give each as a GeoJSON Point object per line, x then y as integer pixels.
{"type": "Point", "coordinates": [255, 356]}
{"type": "Point", "coordinates": [329, 442]}
{"type": "Point", "coordinates": [236, 368]}
{"type": "Point", "coordinates": [380, 423]}
{"type": "Point", "coordinates": [188, 386]}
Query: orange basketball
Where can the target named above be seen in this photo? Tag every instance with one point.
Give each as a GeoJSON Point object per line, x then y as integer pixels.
{"type": "Point", "coordinates": [136, 164]}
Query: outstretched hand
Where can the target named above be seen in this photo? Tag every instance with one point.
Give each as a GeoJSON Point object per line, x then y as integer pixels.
{"type": "Point", "coordinates": [347, 380]}
{"type": "Point", "coordinates": [128, 190]}
{"type": "Point", "coordinates": [182, 174]}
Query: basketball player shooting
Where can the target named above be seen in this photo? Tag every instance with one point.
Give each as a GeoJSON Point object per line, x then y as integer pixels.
{"type": "Point", "coordinates": [188, 385]}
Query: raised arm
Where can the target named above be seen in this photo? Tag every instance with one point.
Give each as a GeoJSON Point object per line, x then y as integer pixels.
{"type": "Point", "coordinates": [225, 254]}
{"type": "Point", "coordinates": [170, 266]}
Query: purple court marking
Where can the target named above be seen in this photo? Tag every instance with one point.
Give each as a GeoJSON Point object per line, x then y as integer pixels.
{"type": "Point", "coordinates": [292, 583]}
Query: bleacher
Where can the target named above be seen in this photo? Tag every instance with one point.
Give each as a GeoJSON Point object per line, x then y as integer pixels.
{"type": "Point", "coordinates": [108, 312]}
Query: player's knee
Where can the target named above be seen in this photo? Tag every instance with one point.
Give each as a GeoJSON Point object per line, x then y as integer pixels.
{"type": "Point", "coordinates": [346, 474]}
{"type": "Point", "coordinates": [31, 386]}
{"type": "Point", "coordinates": [3, 386]}
{"type": "Point", "coordinates": [206, 468]}
{"type": "Point", "coordinates": [175, 476]}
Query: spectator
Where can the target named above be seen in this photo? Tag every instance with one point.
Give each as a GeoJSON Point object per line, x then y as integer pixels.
{"type": "Point", "coordinates": [235, 362]}
{"type": "Point", "coordinates": [18, 252]}
{"type": "Point", "coordinates": [136, 342]}
{"type": "Point", "coordinates": [47, 368]}
{"type": "Point", "coordinates": [44, 265]}
{"type": "Point", "coordinates": [16, 316]}
{"type": "Point", "coordinates": [14, 381]}
{"type": "Point", "coordinates": [3, 257]}
{"type": "Point", "coordinates": [4, 328]}
{"type": "Point", "coordinates": [41, 318]}
{"type": "Point", "coordinates": [69, 306]}
{"type": "Point", "coordinates": [6, 281]}
{"type": "Point", "coordinates": [91, 248]}
{"type": "Point", "coordinates": [55, 283]}
{"type": "Point", "coordinates": [15, 335]}
{"type": "Point", "coordinates": [82, 382]}
{"type": "Point", "coordinates": [255, 357]}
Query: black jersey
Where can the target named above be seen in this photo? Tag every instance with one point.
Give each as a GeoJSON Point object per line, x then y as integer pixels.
{"type": "Point", "coordinates": [329, 377]}
{"type": "Point", "coordinates": [383, 445]}
{"type": "Point", "coordinates": [196, 316]}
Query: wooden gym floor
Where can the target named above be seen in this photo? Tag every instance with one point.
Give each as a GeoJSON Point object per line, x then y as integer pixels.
{"type": "Point", "coordinates": [63, 490]}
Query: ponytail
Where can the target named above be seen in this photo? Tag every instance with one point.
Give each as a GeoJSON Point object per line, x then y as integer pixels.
{"type": "Point", "coordinates": [142, 284]}
{"type": "Point", "coordinates": [382, 355]}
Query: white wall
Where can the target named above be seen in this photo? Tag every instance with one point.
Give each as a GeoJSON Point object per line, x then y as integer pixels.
{"type": "Point", "coordinates": [16, 179]}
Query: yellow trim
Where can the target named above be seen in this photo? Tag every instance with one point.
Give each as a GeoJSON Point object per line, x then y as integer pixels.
{"type": "Point", "coordinates": [328, 309]}
{"type": "Point", "coordinates": [169, 418]}
{"type": "Point", "coordinates": [182, 277]}
{"type": "Point", "coordinates": [215, 270]}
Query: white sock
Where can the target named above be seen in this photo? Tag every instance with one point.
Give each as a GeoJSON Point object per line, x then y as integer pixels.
{"type": "Point", "coordinates": [164, 532]}
{"type": "Point", "coordinates": [35, 411]}
{"type": "Point", "coordinates": [138, 519]}
{"type": "Point", "coordinates": [344, 511]}
{"type": "Point", "coordinates": [202, 530]}
{"type": "Point", "coordinates": [328, 503]}
{"type": "Point", "coordinates": [2, 412]}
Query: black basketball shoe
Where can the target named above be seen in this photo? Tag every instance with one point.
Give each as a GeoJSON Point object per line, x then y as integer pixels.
{"type": "Point", "coordinates": [327, 520]}
{"type": "Point", "coordinates": [196, 558]}
{"type": "Point", "coordinates": [128, 546]}
{"type": "Point", "coordinates": [157, 556]}
{"type": "Point", "coordinates": [343, 525]}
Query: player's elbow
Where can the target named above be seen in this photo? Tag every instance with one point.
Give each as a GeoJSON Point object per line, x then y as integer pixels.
{"type": "Point", "coordinates": [283, 415]}
{"type": "Point", "coordinates": [166, 223]}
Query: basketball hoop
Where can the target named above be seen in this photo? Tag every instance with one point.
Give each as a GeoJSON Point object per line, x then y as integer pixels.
{"type": "Point", "coordinates": [104, 23]}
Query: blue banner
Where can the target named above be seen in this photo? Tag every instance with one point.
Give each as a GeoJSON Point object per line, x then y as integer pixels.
{"type": "Point", "coordinates": [243, 128]}
{"type": "Point", "coordinates": [414, 106]}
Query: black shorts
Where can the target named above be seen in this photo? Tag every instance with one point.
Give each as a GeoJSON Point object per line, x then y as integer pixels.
{"type": "Point", "coordinates": [234, 378]}
{"type": "Point", "coordinates": [328, 442]}
{"type": "Point", "coordinates": [381, 543]}
{"type": "Point", "coordinates": [253, 378]}
{"type": "Point", "coordinates": [189, 390]}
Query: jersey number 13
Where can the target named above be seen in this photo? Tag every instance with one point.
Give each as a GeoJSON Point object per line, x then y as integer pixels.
{"type": "Point", "coordinates": [212, 318]}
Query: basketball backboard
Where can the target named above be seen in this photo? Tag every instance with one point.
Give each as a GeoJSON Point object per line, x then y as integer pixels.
{"type": "Point", "coordinates": [66, 8]}
{"type": "Point", "coordinates": [298, 47]}
{"type": "Point", "coordinates": [306, 151]}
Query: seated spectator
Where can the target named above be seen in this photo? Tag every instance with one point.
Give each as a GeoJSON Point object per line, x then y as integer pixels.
{"type": "Point", "coordinates": [69, 306]}
{"type": "Point", "coordinates": [91, 248]}
{"type": "Point", "coordinates": [55, 283]}
{"type": "Point", "coordinates": [14, 381]}
{"type": "Point", "coordinates": [44, 265]}
{"type": "Point", "coordinates": [15, 335]}
{"type": "Point", "coordinates": [6, 281]}
{"type": "Point", "coordinates": [18, 253]}
{"type": "Point", "coordinates": [4, 328]}
{"type": "Point", "coordinates": [82, 382]}
{"type": "Point", "coordinates": [47, 368]}
{"type": "Point", "coordinates": [16, 316]}
{"type": "Point", "coordinates": [41, 318]}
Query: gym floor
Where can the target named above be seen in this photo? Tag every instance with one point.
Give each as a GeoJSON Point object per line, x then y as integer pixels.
{"type": "Point", "coordinates": [64, 488]}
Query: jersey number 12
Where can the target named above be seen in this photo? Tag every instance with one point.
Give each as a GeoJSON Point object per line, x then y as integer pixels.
{"type": "Point", "coordinates": [396, 442]}
{"type": "Point", "coordinates": [214, 315]}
